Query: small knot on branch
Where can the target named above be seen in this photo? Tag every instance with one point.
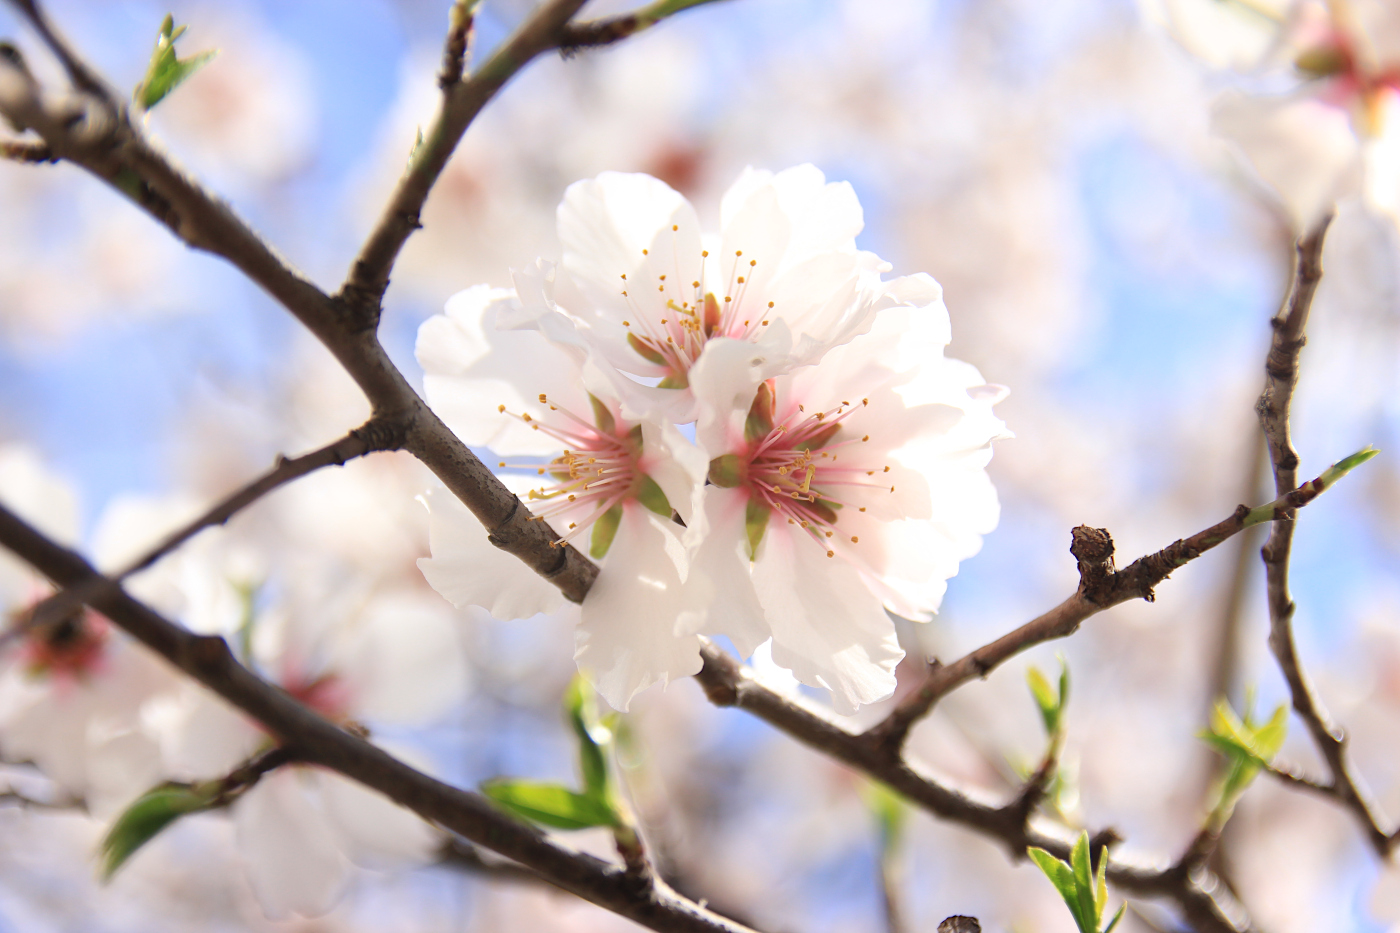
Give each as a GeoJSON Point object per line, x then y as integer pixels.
{"type": "Point", "coordinates": [1093, 549]}
{"type": "Point", "coordinates": [381, 434]}
{"type": "Point", "coordinates": [960, 924]}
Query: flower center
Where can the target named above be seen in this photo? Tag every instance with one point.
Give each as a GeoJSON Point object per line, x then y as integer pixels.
{"type": "Point", "coordinates": [673, 325]}
{"type": "Point", "coordinates": [72, 647]}
{"type": "Point", "coordinates": [795, 471]}
{"type": "Point", "coordinates": [597, 472]}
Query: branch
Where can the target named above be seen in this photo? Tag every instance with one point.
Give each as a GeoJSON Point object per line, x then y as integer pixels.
{"type": "Point", "coordinates": [1281, 378]}
{"type": "Point", "coordinates": [727, 683]}
{"type": "Point", "coordinates": [20, 150]}
{"type": "Point", "coordinates": [317, 741]}
{"type": "Point", "coordinates": [462, 100]}
{"type": "Point", "coordinates": [94, 133]}
{"type": "Point", "coordinates": [605, 31]}
{"type": "Point", "coordinates": [1100, 587]}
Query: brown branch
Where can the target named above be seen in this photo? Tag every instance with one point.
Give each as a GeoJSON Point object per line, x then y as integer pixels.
{"type": "Point", "coordinates": [89, 131]}
{"type": "Point", "coordinates": [462, 100]}
{"type": "Point", "coordinates": [317, 741]}
{"type": "Point", "coordinates": [462, 855]}
{"type": "Point", "coordinates": [610, 29]}
{"type": "Point", "coordinates": [1100, 587]}
{"type": "Point", "coordinates": [1281, 379]}
{"type": "Point", "coordinates": [727, 683]}
{"type": "Point", "coordinates": [457, 46]}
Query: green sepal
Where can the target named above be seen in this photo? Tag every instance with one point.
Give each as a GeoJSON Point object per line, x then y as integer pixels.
{"type": "Point", "coordinates": [727, 471]}
{"type": "Point", "coordinates": [592, 738]}
{"type": "Point", "coordinates": [649, 494]}
{"type": "Point", "coordinates": [756, 516]}
{"type": "Point", "coordinates": [550, 804]}
{"type": "Point", "coordinates": [1321, 62]}
{"type": "Point", "coordinates": [759, 423]}
{"type": "Point", "coordinates": [166, 71]}
{"type": "Point", "coordinates": [604, 530]}
{"type": "Point", "coordinates": [602, 416]}
{"type": "Point", "coordinates": [820, 439]}
{"type": "Point", "coordinates": [645, 350]}
{"type": "Point", "coordinates": [673, 381]}
{"type": "Point", "coordinates": [147, 816]}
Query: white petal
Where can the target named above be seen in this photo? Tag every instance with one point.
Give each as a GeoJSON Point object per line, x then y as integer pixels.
{"type": "Point", "coordinates": [828, 628]}
{"type": "Point", "coordinates": [373, 830]}
{"type": "Point", "coordinates": [472, 368]}
{"type": "Point", "coordinates": [288, 846]}
{"type": "Point", "coordinates": [120, 769]}
{"type": "Point", "coordinates": [606, 222]}
{"type": "Point", "coordinates": [470, 571]}
{"type": "Point", "coordinates": [29, 490]}
{"type": "Point", "coordinates": [719, 592]}
{"type": "Point", "coordinates": [674, 463]}
{"type": "Point", "coordinates": [627, 640]}
{"type": "Point", "coordinates": [202, 735]}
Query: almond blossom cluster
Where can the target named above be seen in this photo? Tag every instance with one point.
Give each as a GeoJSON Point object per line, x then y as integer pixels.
{"type": "Point", "coordinates": [753, 431]}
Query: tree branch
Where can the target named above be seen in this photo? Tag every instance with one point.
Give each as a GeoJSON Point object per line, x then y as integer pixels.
{"type": "Point", "coordinates": [1281, 379]}
{"type": "Point", "coordinates": [605, 31]}
{"type": "Point", "coordinates": [462, 100]}
{"type": "Point", "coordinates": [317, 741]}
{"type": "Point", "coordinates": [1101, 587]}
{"type": "Point", "coordinates": [727, 683]}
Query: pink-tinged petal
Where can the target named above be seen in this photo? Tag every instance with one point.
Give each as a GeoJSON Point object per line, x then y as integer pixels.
{"type": "Point", "coordinates": [472, 368]}
{"type": "Point", "coordinates": [404, 658]}
{"type": "Point", "coordinates": [725, 378]}
{"type": "Point", "coordinates": [604, 225]}
{"type": "Point", "coordinates": [627, 640]}
{"type": "Point", "coordinates": [288, 846]}
{"type": "Point", "coordinates": [675, 464]}
{"type": "Point", "coordinates": [1304, 150]}
{"type": "Point", "coordinates": [720, 597]}
{"type": "Point", "coordinates": [470, 571]}
{"type": "Point", "coordinates": [828, 628]}
{"type": "Point", "coordinates": [372, 830]}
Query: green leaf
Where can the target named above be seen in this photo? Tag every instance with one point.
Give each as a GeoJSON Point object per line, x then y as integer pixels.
{"type": "Point", "coordinates": [756, 516]}
{"type": "Point", "coordinates": [651, 495]}
{"type": "Point", "coordinates": [141, 822]}
{"type": "Point", "coordinates": [1084, 884]}
{"type": "Point", "coordinates": [551, 804]}
{"type": "Point", "coordinates": [604, 530]}
{"type": "Point", "coordinates": [1101, 887]}
{"type": "Point", "coordinates": [1059, 873]}
{"type": "Point", "coordinates": [593, 738]}
{"type": "Point", "coordinates": [1116, 917]}
{"type": "Point", "coordinates": [1248, 747]}
{"type": "Point", "coordinates": [1050, 702]}
{"type": "Point", "coordinates": [166, 71]}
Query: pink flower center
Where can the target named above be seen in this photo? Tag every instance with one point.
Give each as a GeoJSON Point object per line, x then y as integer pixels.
{"type": "Point", "coordinates": [598, 470]}
{"type": "Point", "coordinates": [672, 327]}
{"type": "Point", "coordinates": [71, 648]}
{"type": "Point", "coordinates": [795, 470]}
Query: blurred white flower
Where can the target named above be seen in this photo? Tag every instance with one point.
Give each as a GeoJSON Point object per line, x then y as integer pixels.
{"type": "Point", "coordinates": [393, 660]}
{"type": "Point", "coordinates": [71, 692]}
{"type": "Point", "coordinates": [1338, 133]}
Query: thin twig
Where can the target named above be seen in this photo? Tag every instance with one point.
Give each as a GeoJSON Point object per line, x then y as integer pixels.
{"type": "Point", "coordinates": [462, 855]}
{"type": "Point", "coordinates": [318, 741]}
{"type": "Point", "coordinates": [610, 29]}
{"type": "Point", "coordinates": [461, 101]}
{"type": "Point", "coordinates": [1281, 379]}
{"type": "Point", "coordinates": [370, 437]}
{"type": "Point", "coordinates": [1101, 587]}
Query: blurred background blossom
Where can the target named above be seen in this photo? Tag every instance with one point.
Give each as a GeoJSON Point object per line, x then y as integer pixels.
{"type": "Point", "coordinates": [1102, 253]}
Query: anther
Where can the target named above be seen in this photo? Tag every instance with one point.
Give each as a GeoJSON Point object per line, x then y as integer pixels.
{"type": "Point", "coordinates": [543, 400]}
{"type": "Point", "coordinates": [501, 408]}
{"type": "Point", "coordinates": [645, 252]}
{"type": "Point", "coordinates": [830, 553]}
{"type": "Point", "coordinates": [675, 227]}
{"type": "Point", "coordinates": [855, 539]}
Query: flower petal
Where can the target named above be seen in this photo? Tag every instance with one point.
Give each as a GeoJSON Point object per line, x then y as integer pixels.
{"type": "Point", "coordinates": [288, 846]}
{"type": "Point", "coordinates": [828, 628]}
{"type": "Point", "coordinates": [720, 597]}
{"type": "Point", "coordinates": [627, 639]}
{"type": "Point", "coordinates": [373, 830]}
{"type": "Point", "coordinates": [469, 571]}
